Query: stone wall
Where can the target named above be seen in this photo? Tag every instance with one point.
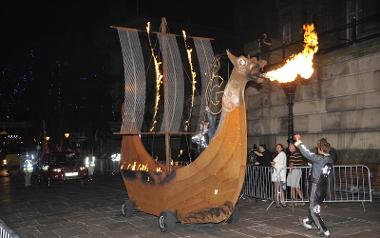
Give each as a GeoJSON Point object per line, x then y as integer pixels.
{"type": "Point", "coordinates": [341, 102]}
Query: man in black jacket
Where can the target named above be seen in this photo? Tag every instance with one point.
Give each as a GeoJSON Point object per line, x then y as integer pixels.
{"type": "Point", "coordinates": [321, 169]}
{"type": "Point", "coordinates": [264, 157]}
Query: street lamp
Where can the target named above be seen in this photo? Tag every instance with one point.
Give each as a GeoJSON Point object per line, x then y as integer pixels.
{"type": "Point", "coordinates": [290, 92]}
{"type": "Point", "coordinates": [67, 135]}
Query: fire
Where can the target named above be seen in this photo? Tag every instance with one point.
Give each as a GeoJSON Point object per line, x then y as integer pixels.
{"type": "Point", "coordinates": [141, 167]}
{"type": "Point", "coordinates": [193, 77]}
{"type": "Point", "coordinates": [138, 167]}
{"type": "Point", "coordinates": [159, 78]}
{"type": "Point", "coordinates": [300, 64]}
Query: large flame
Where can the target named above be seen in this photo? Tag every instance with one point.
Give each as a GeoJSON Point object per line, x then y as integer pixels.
{"type": "Point", "coordinates": [300, 64]}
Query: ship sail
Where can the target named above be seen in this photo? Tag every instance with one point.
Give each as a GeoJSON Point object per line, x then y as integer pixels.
{"type": "Point", "coordinates": [171, 59]}
{"type": "Point", "coordinates": [135, 80]}
{"type": "Point", "coordinates": [205, 56]}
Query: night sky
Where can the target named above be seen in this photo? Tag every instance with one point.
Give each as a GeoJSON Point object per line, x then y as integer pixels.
{"type": "Point", "coordinates": [48, 25]}
{"type": "Point", "coordinates": [58, 57]}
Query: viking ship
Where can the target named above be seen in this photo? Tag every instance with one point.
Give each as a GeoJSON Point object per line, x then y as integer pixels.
{"type": "Point", "coordinates": [206, 190]}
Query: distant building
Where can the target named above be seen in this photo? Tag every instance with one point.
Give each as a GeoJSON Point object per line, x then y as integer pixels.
{"type": "Point", "coordinates": [342, 100]}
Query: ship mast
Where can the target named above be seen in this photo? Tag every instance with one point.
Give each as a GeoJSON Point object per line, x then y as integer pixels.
{"type": "Point", "coordinates": [166, 103]}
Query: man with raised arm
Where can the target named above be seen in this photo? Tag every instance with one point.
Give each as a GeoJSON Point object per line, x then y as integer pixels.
{"type": "Point", "coordinates": [321, 169]}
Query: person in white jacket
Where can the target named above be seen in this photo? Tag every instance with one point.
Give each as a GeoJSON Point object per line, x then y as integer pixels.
{"type": "Point", "coordinates": [279, 175]}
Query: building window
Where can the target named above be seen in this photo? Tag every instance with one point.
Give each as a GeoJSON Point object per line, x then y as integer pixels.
{"type": "Point", "coordinates": [354, 9]}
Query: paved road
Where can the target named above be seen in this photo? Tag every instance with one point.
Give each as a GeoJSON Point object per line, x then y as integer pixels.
{"type": "Point", "coordinates": [93, 210]}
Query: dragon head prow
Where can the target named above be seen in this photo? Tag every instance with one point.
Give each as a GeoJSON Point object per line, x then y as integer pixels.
{"type": "Point", "coordinates": [246, 65]}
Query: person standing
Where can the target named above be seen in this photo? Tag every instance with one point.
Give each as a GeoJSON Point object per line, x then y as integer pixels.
{"type": "Point", "coordinates": [279, 175]}
{"type": "Point", "coordinates": [322, 167]}
{"type": "Point", "coordinates": [264, 156]}
{"type": "Point", "coordinates": [28, 170]}
{"type": "Point", "coordinates": [201, 139]}
{"type": "Point", "coordinates": [294, 175]}
{"type": "Point", "coordinates": [251, 156]}
{"type": "Point", "coordinates": [89, 163]}
{"type": "Point", "coordinates": [331, 180]}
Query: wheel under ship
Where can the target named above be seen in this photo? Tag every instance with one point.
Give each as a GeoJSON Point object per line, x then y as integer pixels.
{"type": "Point", "coordinates": [206, 190]}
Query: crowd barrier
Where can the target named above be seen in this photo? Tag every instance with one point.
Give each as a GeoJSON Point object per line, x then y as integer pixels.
{"type": "Point", "coordinates": [106, 167]}
{"type": "Point", "coordinates": [347, 183]}
{"type": "Point", "coordinates": [6, 232]}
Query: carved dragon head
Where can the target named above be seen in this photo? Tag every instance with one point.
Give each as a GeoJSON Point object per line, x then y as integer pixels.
{"type": "Point", "coordinates": [233, 94]}
{"type": "Point", "coordinates": [246, 65]}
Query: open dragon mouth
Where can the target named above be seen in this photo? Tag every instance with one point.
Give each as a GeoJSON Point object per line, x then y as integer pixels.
{"type": "Point", "coordinates": [299, 64]}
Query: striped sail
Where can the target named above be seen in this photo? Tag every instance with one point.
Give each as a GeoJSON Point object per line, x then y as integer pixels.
{"type": "Point", "coordinates": [205, 56]}
{"type": "Point", "coordinates": [174, 87]}
{"type": "Point", "coordinates": [135, 81]}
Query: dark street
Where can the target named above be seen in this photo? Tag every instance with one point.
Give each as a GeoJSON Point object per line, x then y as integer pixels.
{"type": "Point", "coordinates": [93, 210]}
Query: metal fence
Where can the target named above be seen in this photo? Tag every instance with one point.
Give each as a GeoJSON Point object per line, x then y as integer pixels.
{"type": "Point", "coordinates": [347, 183]}
{"type": "Point", "coordinates": [6, 232]}
{"type": "Point", "coordinates": [106, 167]}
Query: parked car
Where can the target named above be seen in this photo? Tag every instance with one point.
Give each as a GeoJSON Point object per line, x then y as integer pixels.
{"type": "Point", "coordinates": [11, 149]}
{"type": "Point", "coordinates": [12, 162]}
{"type": "Point", "coordinates": [62, 166]}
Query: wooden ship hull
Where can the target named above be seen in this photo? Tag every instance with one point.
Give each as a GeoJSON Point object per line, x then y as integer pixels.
{"type": "Point", "coordinates": [206, 191]}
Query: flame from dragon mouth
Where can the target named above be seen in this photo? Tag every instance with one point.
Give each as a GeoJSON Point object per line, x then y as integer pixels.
{"type": "Point", "coordinates": [299, 64]}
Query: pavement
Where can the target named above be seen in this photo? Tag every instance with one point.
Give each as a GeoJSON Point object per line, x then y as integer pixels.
{"type": "Point", "coordinates": [93, 210]}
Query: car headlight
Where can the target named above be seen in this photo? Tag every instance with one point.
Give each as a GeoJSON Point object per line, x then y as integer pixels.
{"type": "Point", "coordinates": [45, 167]}
{"type": "Point", "coordinates": [57, 170]}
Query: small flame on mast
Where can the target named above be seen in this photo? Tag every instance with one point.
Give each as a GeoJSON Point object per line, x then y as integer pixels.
{"type": "Point", "coordinates": [159, 78]}
{"type": "Point", "coordinates": [299, 64]}
{"type": "Point", "coordinates": [193, 77]}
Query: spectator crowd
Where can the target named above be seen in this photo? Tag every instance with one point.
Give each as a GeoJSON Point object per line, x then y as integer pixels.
{"type": "Point", "coordinates": [287, 172]}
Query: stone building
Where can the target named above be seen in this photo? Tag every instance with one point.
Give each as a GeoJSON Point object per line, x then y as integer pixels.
{"type": "Point", "coordinates": [342, 99]}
